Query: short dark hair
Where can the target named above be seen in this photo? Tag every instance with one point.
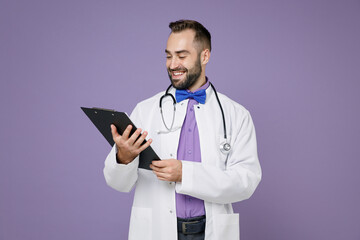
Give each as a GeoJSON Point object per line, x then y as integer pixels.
{"type": "Point", "coordinates": [202, 35]}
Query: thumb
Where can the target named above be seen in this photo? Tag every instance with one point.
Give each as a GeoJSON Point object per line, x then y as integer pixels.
{"type": "Point", "coordinates": [114, 132]}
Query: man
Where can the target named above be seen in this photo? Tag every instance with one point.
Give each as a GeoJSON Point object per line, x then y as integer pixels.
{"type": "Point", "coordinates": [188, 194]}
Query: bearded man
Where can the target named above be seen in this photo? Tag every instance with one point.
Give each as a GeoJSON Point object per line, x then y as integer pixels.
{"type": "Point", "coordinates": [207, 144]}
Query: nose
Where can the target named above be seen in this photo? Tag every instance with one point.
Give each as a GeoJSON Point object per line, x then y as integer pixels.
{"type": "Point", "coordinates": [173, 63]}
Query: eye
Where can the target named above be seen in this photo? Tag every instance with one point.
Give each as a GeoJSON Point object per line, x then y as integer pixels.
{"type": "Point", "coordinates": [168, 56]}
{"type": "Point", "coordinates": [182, 57]}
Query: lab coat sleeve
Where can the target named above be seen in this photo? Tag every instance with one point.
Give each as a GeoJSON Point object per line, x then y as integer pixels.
{"type": "Point", "coordinates": [122, 177]}
{"type": "Point", "coordinates": [236, 182]}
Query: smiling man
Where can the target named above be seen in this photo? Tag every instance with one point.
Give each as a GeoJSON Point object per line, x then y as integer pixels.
{"type": "Point", "coordinates": [186, 57]}
{"type": "Point", "coordinates": [207, 144]}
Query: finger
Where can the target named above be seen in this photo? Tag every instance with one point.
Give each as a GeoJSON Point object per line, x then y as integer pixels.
{"type": "Point", "coordinates": [156, 169]}
{"type": "Point", "coordinates": [126, 132]}
{"type": "Point", "coordinates": [145, 145]}
{"type": "Point", "coordinates": [114, 132]}
{"type": "Point", "coordinates": [162, 176]}
{"type": "Point", "coordinates": [134, 136]}
{"type": "Point", "coordinates": [163, 179]}
{"type": "Point", "coordinates": [140, 139]}
{"type": "Point", "coordinates": [160, 163]}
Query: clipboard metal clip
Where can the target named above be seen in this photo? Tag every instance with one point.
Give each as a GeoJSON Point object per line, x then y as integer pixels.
{"type": "Point", "coordinates": [103, 109]}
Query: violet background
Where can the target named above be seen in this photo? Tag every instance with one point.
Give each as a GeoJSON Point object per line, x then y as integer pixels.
{"type": "Point", "coordinates": [293, 64]}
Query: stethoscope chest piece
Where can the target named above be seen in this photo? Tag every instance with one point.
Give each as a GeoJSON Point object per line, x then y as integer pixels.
{"type": "Point", "coordinates": [225, 148]}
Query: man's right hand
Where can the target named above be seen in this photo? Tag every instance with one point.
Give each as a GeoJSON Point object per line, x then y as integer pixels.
{"type": "Point", "coordinates": [128, 148]}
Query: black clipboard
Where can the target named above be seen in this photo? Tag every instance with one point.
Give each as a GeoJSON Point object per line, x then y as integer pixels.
{"type": "Point", "coordinates": [102, 119]}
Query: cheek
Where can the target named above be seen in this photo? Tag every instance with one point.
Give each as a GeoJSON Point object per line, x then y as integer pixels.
{"type": "Point", "coordinates": [189, 63]}
{"type": "Point", "coordinates": [188, 66]}
{"type": "Point", "coordinates": [167, 63]}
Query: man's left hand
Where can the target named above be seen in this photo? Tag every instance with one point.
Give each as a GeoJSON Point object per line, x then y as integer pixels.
{"type": "Point", "coordinates": [167, 170]}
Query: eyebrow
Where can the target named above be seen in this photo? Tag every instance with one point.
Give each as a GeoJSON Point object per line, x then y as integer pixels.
{"type": "Point", "coordinates": [177, 52]}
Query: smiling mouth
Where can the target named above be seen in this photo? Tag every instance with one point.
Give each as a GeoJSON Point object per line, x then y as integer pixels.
{"type": "Point", "coordinates": [177, 74]}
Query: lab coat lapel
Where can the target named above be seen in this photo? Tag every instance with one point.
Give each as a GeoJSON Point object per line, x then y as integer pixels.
{"type": "Point", "coordinates": [208, 116]}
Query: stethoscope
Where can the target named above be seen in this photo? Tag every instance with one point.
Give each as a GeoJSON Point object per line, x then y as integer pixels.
{"type": "Point", "coordinates": [224, 147]}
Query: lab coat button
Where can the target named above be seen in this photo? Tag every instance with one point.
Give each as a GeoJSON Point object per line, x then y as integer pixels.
{"type": "Point", "coordinates": [171, 211]}
{"type": "Point", "coordinates": [171, 154]}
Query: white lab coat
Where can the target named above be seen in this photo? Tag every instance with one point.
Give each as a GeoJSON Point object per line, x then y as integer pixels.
{"type": "Point", "coordinates": [220, 179]}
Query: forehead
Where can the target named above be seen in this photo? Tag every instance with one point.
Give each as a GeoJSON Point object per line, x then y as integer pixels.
{"type": "Point", "coordinates": [183, 40]}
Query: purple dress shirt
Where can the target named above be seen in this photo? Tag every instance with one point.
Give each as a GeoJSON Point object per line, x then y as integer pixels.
{"type": "Point", "coordinates": [189, 150]}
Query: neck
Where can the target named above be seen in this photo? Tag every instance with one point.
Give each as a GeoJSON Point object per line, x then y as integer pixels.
{"type": "Point", "coordinates": [199, 82]}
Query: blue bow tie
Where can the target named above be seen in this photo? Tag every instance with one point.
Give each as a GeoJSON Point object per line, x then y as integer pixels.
{"type": "Point", "coordinates": [199, 96]}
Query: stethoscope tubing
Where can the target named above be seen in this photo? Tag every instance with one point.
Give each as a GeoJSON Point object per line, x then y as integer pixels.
{"type": "Point", "coordinates": [226, 146]}
{"type": "Point", "coordinates": [222, 111]}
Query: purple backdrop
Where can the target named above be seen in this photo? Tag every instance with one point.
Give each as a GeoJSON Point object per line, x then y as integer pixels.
{"type": "Point", "coordinates": [293, 64]}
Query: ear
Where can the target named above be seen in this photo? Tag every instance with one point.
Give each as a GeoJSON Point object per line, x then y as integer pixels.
{"type": "Point", "coordinates": [205, 56]}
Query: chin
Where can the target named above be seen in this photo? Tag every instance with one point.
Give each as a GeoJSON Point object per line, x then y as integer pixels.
{"type": "Point", "coordinates": [177, 83]}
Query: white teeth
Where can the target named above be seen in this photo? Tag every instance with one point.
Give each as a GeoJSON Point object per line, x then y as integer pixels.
{"type": "Point", "coordinates": [178, 73]}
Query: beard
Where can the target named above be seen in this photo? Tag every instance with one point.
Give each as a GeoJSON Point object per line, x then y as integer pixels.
{"type": "Point", "coordinates": [192, 75]}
